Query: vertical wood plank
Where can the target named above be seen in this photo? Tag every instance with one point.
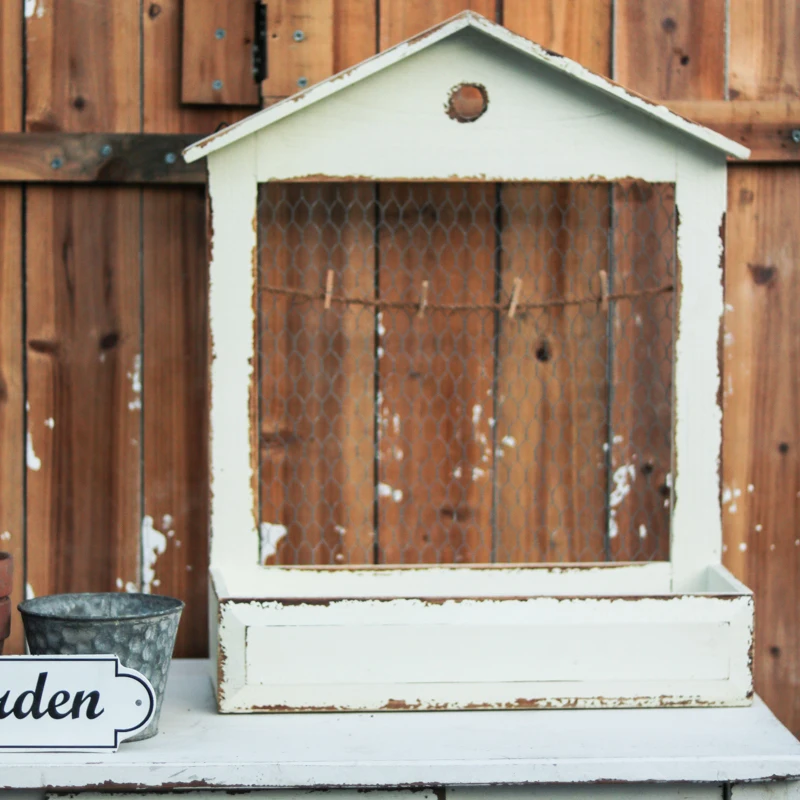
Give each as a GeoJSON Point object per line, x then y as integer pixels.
{"type": "Point", "coordinates": [317, 376]}
{"type": "Point", "coordinates": [84, 389]}
{"type": "Point", "coordinates": [760, 436]}
{"type": "Point", "coordinates": [640, 435]}
{"type": "Point", "coordinates": [400, 20]}
{"type": "Point", "coordinates": [552, 373]}
{"type": "Point", "coordinates": [175, 366]}
{"type": "Point", "coordinates": [671, 49]}
{"type": "Point", "coordinates": [764, 58]}
{"type": "Point", "coordinates": [300, 46]}
{"type": "Point", "coordinates": [580, 30]}
{"type": "Point", "coordinates": [435, 402]}
{"type": "Point", "coordinates": [552, 385]}
{"type": "Point", "coordinates": [12, 424]}
{"type": "Point", "coordinates": [666, 49]}
{"type": "Point", "coordinates": [83, 331]}
{"type": "Point", "coordinates": [761, 428]}
{"type": "Point", "coordinates": [217, 41]}
{"type": "Point", "coordinates": [354, 32]}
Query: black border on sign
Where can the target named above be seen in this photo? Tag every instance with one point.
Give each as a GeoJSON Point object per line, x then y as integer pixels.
{"type": "Point", "coordinates": [117, 731]}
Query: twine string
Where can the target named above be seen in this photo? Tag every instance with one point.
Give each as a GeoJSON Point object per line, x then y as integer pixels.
{"type": "Point", "coordinates": [600, 300]}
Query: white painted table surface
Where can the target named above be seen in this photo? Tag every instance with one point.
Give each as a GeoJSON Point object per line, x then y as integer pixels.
{"type": "Point", "coordinates": [198, 748]}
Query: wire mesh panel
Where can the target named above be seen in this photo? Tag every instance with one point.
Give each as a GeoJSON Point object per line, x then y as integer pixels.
{"type": "Point", "coordinates": [465, 373]}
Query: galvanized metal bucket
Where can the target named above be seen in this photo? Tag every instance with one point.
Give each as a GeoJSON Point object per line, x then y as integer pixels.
{"type": "Point", "coordinates": [139, 629]}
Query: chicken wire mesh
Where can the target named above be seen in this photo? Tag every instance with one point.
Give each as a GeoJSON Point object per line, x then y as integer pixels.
{"type": "Point", "coordinates": [465, 373]}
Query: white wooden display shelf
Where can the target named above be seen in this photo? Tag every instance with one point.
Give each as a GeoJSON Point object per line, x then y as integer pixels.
{"type": "Point", "coordinates": [197, 748]}
{"type": "Point", "coordinates": [288, 639]}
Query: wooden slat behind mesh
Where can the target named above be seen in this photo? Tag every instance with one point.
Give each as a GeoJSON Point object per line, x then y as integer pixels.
{"type": "Point", "coordinates": [435, 404]}
{"type": "Point", "coordinates": [552, 387]}
{"type": "Point", "coordinates": [317, 377]}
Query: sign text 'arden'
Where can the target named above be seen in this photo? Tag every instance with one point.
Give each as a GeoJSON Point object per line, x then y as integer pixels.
{"type": "Point", "coordinates": [71, 703]}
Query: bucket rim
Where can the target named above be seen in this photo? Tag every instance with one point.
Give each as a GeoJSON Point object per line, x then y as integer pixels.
{"type": "Point", "coordinates": [28, 608]}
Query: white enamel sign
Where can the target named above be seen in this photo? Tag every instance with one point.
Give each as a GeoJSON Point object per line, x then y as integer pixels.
{"type": "Point", "coordinates": [71, 703]}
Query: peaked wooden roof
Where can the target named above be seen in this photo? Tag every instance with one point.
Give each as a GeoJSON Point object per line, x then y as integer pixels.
{"type": "Point", "coordinates": [467, 19]}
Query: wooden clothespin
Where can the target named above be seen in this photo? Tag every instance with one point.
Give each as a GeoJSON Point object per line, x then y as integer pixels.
{"type": "Point", "coordinates": [603, 289]}
{"type": "Point", "coordinates": [515, 293]}
{"type": "Point", "coordinates": [423, 299]}
{"type": "Point", "coordinates": [328, 289]}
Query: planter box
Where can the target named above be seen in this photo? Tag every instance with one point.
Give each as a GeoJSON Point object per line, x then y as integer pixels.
{"type": "Point", "coordinates": [595, 636]}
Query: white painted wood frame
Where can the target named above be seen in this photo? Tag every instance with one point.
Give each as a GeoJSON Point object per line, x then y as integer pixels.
{"type": "Point", "coordinates": [683, 635]}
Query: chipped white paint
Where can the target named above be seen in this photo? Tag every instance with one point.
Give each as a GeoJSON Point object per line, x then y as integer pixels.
{"type": "Point", "coordinates": [31, 459]}
{"type": "Point", "coordinates": [742, 546]}
{"type": "Point", "coordinates": [233, 195]}
{"type": "Point", "coordinates": [696, 530]}
{"type": "Point", "coordinates": [34, 8]}
{"type": "Point", "coordinates": [438, 34]}
{"type": "Point", "coordinates": [750, 488]}
{"type": "Point", "coordinates": [270, 534]}
{"type": "Point", "coordinates": [642, 531]}
{"type": "Point", "coordinates": [135, 377]}
{"type": "Point", "coordinates": [5, 536]}
{"type": "Point", "coordinates": [50, 423]}
{"type": "Point", "coordinates": [29, 595]}
{"type": "Point", "coordinates": [153, 544]}
{"type": "Point", "coordinates": [576, 126]}
{"type": "Point", "coordinates": [509, 441]}
{"type": "Point", "coordinates": [759, 528]}
{"type": "Point", "coordinates": [646, 652]}
{"type": "Point", "coordinates": [397, 495]}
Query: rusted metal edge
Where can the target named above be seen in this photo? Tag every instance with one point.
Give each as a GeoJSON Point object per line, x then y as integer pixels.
{"type": "Point", "coordinates": [106, 158]}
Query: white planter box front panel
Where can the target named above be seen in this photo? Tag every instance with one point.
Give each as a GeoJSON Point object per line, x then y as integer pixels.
{"type": "Point", "coordinates": [360, 653]}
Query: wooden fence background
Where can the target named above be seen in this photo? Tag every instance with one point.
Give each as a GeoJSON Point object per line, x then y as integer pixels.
{"type": "Point", "coordinates": [103, 375]}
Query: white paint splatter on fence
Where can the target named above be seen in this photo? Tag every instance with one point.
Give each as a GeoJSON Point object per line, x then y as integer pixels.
{"type": "Point", "coordinates": [384, 490]}
{"type": "Point", "coordinates": [623, 479]}
{"type": "Point", "coordinates": [509, 441]}
{"type": "Point", "coordinates": [29, 594]}
{"type": "Point", "coordinates": [457, 472]}
{"type": "Point", "coordinates": [642, 532]}
{"type": "Point", "coordinates": [743, 546]}
{"type": "Point", "coordinates": [135, 377]}
{"type": "Point", "coordinates": [34, 8]}
{"type": "Point", "coordinates": [270, 533]}
{"type": "Point", "coordinates": [153, 544]}
{"type": "Point", "coordinates": [477, 473]}
{"type": "Point", "coordinates": [397, 495]}
{"type": "Point", "coordinates": [31, 459]}
{"type": "Point", "coordinates": [477, 412]}
{"type": "Point", "coordinates": [50, 423]}
{"type": "Point", "coordinates": [5, 536]}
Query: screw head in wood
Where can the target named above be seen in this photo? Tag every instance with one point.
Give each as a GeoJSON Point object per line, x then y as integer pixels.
{"type": "Point", "coordinates": [219, 33]}
{"type": "Point", "coordinates": [216, 85]}
{"type": "Point", "coordinates": [56, 163]}
{"type": "Point", "coordinates": [302, 82]}
{"type": "Point", "coordinates": [796, 135]}
{"type": "Point", "coordinates": [298, 36]}
{"type": "Point", "coordinates": [170, 158]}
{"type": "Point", "coordinates": [106, 150]}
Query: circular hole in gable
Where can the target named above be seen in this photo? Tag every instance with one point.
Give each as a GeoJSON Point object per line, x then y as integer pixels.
{"type": "Point", "coordinates": [467, 102]}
